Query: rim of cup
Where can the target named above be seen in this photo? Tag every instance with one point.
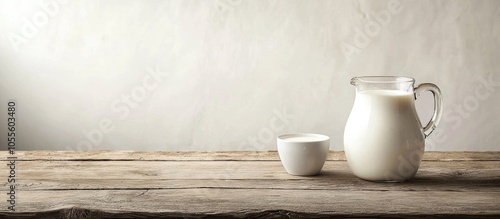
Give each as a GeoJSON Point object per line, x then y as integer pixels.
{"type": "Point", "coordinates": [313, 137]}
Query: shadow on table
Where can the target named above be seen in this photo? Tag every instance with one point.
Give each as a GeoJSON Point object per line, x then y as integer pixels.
{"type": "Point", "coordinates": [449, 181]}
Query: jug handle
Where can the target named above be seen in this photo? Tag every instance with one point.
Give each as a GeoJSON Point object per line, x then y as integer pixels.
{"type": "Point", "coordinates": [438, 107]}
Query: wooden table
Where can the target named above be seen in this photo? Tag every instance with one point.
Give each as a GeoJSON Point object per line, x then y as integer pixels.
{"type": "Point", "coordinates": [127, 184]}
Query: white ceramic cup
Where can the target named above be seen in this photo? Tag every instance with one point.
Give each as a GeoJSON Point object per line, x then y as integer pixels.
{"type": "Point", "coordinates": [303, 154]}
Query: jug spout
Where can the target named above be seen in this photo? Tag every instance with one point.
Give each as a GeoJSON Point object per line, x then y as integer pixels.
{"type": "Point", "coordinates": [354, 81]}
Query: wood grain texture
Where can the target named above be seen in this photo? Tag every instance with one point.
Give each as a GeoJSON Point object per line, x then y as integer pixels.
{"type": "Point", "coordinates": [219, 155]}
{"type": "Point", "coordinates": [121, 184]}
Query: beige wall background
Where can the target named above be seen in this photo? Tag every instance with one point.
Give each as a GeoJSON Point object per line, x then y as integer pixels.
{"type": "Point", "coordinates": [232, 74]}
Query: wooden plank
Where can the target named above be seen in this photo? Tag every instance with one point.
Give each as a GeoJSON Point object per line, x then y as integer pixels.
{"type": "Point", "coordinates": [208, 170]}
{"type": "Point", "coordinates": [241, 202]}
{"type": "Point", "coordinates": [421, 183]}
{"type": "Point", "coordinates": [219, 155]}
{"type": "Point", "coordinates": [440, 176]}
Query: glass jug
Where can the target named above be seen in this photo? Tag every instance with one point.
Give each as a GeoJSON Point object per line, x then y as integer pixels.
{"type": "Point", "coordinates": [383, 138]}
